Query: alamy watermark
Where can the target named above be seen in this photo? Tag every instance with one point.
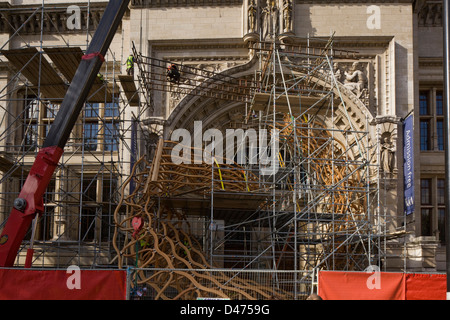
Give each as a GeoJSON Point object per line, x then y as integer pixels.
{"type": "Point", "coordinates": [74, 20]}
{"type": "Point", "coordinates": [374, 281]}
{"type": "Point", "coordinates": [374, 19]}
{"type": "Point", "coordinates": [74, 280]}
{"type": "Point", "coordinates": [238, 146]}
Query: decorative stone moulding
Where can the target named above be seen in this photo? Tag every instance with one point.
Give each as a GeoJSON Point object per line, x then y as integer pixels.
{"type": "Point", "coordinates": [183, 3]}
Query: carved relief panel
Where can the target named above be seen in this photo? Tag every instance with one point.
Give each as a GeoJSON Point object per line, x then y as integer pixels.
{"type": "Point", "coordinates": [197, 73]}
{"type": "Point", "coordinates": [430, 15]}
{"type": "Point", "coordinates": [358, 79]}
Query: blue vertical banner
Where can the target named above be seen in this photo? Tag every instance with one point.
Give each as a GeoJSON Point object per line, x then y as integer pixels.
{"type": "Point", "coordinates": [408, 164]}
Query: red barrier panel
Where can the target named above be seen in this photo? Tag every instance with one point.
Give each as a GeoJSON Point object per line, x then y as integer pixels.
{"type": "Point", "coordinates": [381, 286]}
{"type": "Point", "coordinates": [361, 286]}
{"type": "Point", "coordinates": [17, 284]}
{"type": "Point", "coordinates": [426, 286]}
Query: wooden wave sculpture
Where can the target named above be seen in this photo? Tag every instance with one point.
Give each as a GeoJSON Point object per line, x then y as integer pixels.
{"type": "Point", "coordinates": [162, 241]}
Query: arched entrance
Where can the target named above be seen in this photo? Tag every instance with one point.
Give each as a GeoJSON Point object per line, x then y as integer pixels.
{"type": "Point", "coordinates": [313, 211]}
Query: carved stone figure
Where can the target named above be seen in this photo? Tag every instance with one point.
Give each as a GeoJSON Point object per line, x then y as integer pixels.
{"type": "Point", "coordinates": [287, 15]}
{"type": "Point", "coordinates": [265, 18]}
{"type": "Point", "coordinates": [337, 72]}
{"type": "Point", "coordinates": [270, 23]}
{"type": "Point", "coordinates": [252, 12]}
{"type": "Point", "coordinates": [356, 80]}
{"type": "Point", "coordinates": [387, 155]}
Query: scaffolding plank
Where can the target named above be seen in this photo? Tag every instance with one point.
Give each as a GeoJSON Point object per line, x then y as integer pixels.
{"type": "Point", "coordinates": [66, 59]}
{"type": "Point", "coordinates": [100, 92]}
{"type": "Point", "coordinates": [299, 104]}
{"type": "Point", "coordinates": [130, 89]}
{"type": "Point", "coordinates": [38, 71]}
{"type": "Point", "coordinates": [8, 166]}
{"type": "Point", "coordinates": [228, 200]}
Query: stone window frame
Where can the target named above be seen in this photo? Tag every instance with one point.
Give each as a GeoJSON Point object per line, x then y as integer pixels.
{"type": "Point", "coordinates": [436, 141]}
{"type": "Point", "coordinates": [434, 208]}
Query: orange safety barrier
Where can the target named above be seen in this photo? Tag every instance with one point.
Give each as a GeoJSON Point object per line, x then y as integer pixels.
{"type": "Point", "coordinates": [426, 286]}
{"type": "Point", "coordinates": [381, 286]}
{"type": "Point", "coordinates": [19, 284]}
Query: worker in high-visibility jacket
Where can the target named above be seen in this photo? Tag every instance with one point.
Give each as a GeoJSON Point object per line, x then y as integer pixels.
{"type": "Point", "coordinates": [130, 65]}
{"type": "Point", "coordinates": [100, 77]}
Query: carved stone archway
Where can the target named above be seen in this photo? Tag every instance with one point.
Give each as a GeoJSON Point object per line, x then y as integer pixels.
{"type": "Point", "coordinates": [352, 114]}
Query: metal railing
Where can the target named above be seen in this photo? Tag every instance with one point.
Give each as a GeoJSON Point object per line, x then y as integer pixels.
{"type": "Point", "coordinates": [176, 284]}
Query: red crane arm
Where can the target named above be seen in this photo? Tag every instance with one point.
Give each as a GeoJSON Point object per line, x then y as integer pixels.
{"type": "Point", "coordinates": [28, 204]}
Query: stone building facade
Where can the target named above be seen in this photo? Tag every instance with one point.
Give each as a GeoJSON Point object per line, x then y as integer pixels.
{"type": "Point", "coordinates": [399, 49]}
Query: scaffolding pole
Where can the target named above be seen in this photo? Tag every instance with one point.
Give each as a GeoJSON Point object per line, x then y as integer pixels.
{"type": "Point", "coordinates": [318, 211]}
{"type": "Point", "coordinates": [77, 222]}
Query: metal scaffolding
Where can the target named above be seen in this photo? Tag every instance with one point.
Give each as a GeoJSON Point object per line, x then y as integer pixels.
{"type": "Point", "coordinates": [314, 205]}
{"type": "Point", "coordinates": [320, 207]}
{"type": "Point", "coordinates": [77, 225]}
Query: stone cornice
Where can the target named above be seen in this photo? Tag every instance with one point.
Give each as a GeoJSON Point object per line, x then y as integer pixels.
{"type": "Point", "coordinates": [362, 47]}
{"type": "Point", "coordinates": [436, 62]}
{"type": "Point", "coordinates": [51, 6]}
{"type": "Point", "coordinates": [206, 59]}
{"type": "Point", "coordinates": [198, 44]}
{"type": "Point", "coordinates": [230, 50]}
{"type": "Point", "coordinates": [360, 42]}
{"type": "Point", "coordinates": [55, 18]}
{"type": "Point", "coordinates": [183, 3]}
{"type": "Point", "coordinates": [352, 1]}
